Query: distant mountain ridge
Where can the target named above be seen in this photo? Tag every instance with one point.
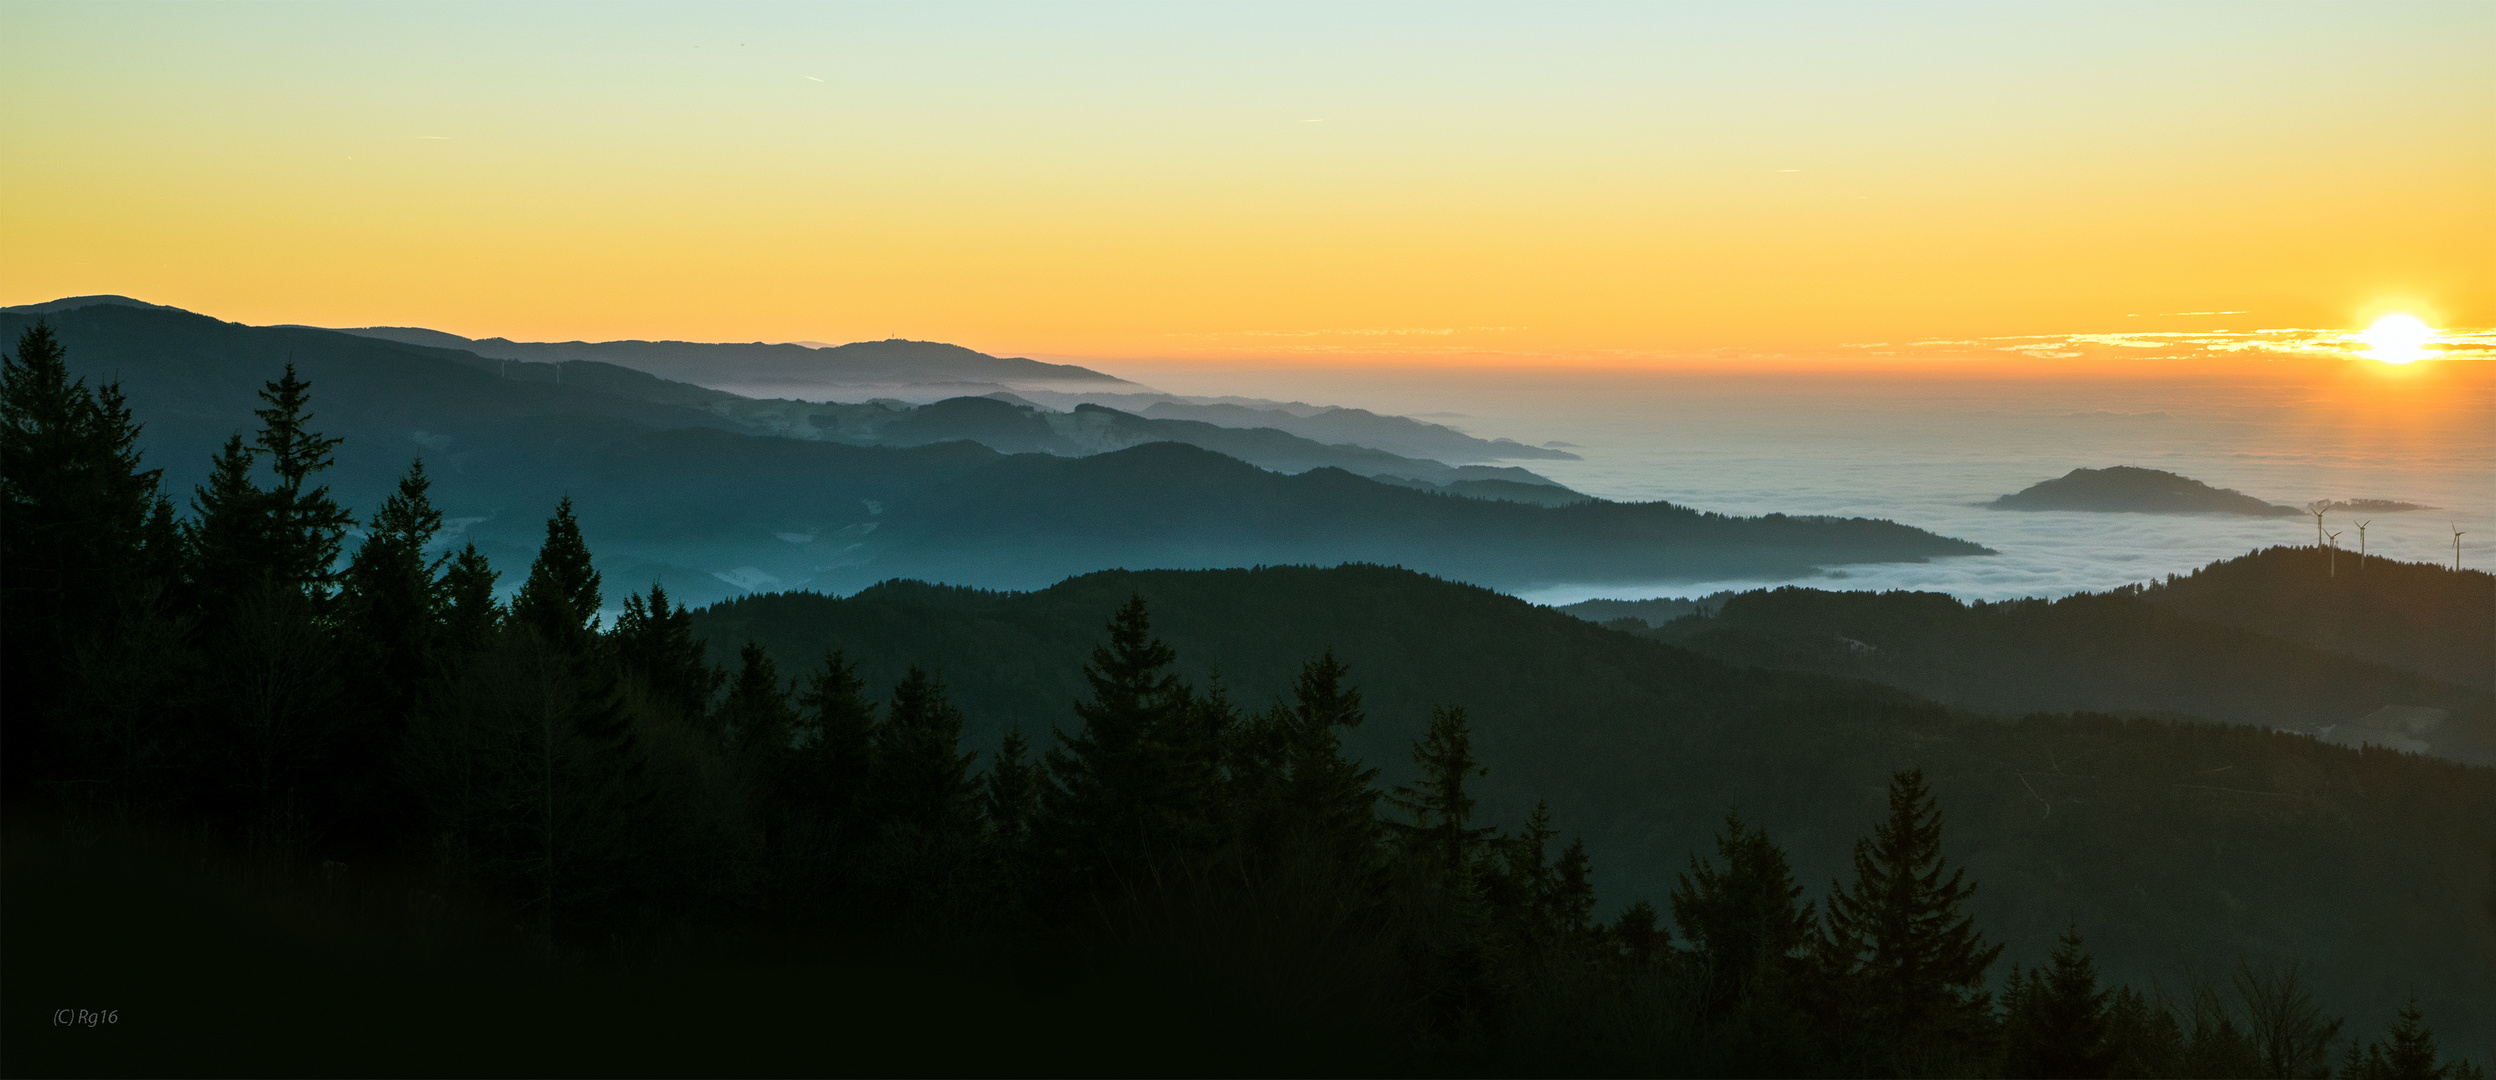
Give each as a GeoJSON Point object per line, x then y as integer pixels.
{"type": "Point", "coordinates": [1007, 423]}
{"type": "Point", "coordinates": [2134, 490]}
{"type": "Point", "coordinates": [72, 303]}
{"type": "Point", "coordinates": [777, 368]}
{"type": "Point", "coordinates": [684, 485]}
{"type": "Point", "coordinates": [926, 372]}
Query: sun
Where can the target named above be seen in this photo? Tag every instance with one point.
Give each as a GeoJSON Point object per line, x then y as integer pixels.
{"type": "Point", "coordinates": [2397, 339]}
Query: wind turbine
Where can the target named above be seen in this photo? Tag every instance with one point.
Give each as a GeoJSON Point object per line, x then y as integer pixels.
{"type": "Point", "coordinates": [2318, 508]}
{"type": "Point", "coordinates": [2335, 554]}
{"type": "Point", "coordinates": [2361, 543]}
{"type": "Point", "coordinates": [2457, 535]}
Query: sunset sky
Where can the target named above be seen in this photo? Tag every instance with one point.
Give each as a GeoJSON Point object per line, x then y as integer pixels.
{"type": "Point", "coordinates": [1441, 183]}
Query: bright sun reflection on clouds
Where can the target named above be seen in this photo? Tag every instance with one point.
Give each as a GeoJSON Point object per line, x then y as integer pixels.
{"type": "Point", "coordinates": [2393, 339]}
{"type": "Point", "coordinates": [2398, 339]}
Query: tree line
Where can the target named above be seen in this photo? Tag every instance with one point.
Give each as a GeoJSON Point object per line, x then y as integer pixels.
{"type": "Point", "coordinates": [238, 671]}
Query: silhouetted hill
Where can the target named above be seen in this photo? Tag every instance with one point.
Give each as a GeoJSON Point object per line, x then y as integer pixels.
{"type": "Point", "coordinates": [2112, 652]}
{"type": "Point", "coordinates": [2418, 617]}
{"type": "Point", "coordinates": [2168, 842]}
{"type": "Point", "coordinates": [1650, 613]}
{"type": "Point", "coordinates": [71, 303]}
{"type": "Point", "coordinates": [674, 486]}
{"type": "Point", "coordinates": [2129, 489]}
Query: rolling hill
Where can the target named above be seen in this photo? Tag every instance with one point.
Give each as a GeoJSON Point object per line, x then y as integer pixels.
{"type": "Point", "coordinates": [2132, 490]}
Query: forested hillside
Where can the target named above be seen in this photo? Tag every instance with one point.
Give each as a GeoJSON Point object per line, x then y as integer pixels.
{"type": "Point", "coordinates": [2174, 841]}
{"type": "Point", "coordinates": [2131, 650]}
{"type": "Point", "coordinates": [2420, 617]}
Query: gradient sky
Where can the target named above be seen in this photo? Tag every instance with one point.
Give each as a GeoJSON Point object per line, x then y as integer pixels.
{"type": "Point", "coordinates": [1583, 183]}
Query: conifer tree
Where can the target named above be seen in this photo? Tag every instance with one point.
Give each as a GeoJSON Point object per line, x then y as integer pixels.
{"type": "Point", "coordinates": [1570, 907]}
{"type": "Point", "coordinates": [560, 598]}
{"type": "Point", "coordinates": [825, 794]}
{"type": "Point", "coordinates": [1128, 785]}
{"type": "Point", "coordinates": [655, 643]}
{"type": "Point", "coordinates": [1534, 902]}
{"type": "Point", "coordinates": [836, 725]}
{"type": "Point", "coordinates": [75, 503]}
{"type": "Point", "coordinates": [469, 614]}
{"type": "Point", "coordinates": [923, 805]}
{"type": "Point", "coordinates": [229, 533]}
{"type": "Point", "coordinates": [390, 603]}
{"type": "Point", "coordinates": [1899, 943]}
{"type": "Point", "coordinates": [2407, 1053]}
{"type": "Point", "coordinates": [920, 776]}
{"type": "Point", "coordinates": [261, 575]}
{"type": "Point", "coordinates": [756, 714]}
{"type": "Point", "coordinates": [85, 537]}
{"type": "Point", "coordinates": [1744, 919]}
{"type": "Point", "coordinates": [1010, 794]}
{"type": "Point", "coordinates": [1441, 808]}
{"type": "Point", "coordinates": [559, 604]}
{"type": "Point", "coordinates": [2142, 1038]}
{"type": "Point", "coordinates": [2056, 1024]}
{"type": "Point", "coordinates": [1642, 941]}
{"type": "Point", "coordinates": [1332, 796]}
{"type": "Point", "coordinates": [305, 525]}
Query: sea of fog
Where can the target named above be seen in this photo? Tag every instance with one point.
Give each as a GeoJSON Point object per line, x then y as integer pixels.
{"type": "Point", "coordinates": [1925, 450]}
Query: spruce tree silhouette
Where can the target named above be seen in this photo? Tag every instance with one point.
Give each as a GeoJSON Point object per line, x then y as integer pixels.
{"type": "Point", "coordinates": [390, 603]}
{"type": "Point", "coordinates": [85, 535]}
{"type": "Point", "coordinates": [2056, 1017]}
{"type": "Point", "coordinates": [1442, 810]}
{"type": "Point", "coordinates": [560, 598]}
{"type": "Point", "coordinates": [1332, 798]}
{"type": "Point", "coordinates": [470, 615]}
{"type": "Point", "coordinates": [756, 717]}
{"type": "Point", "coordinates": [2407, 1052]}
{"type": "Point", "coordinates": [1898, 944]}
{"type": "Point", "coordinates": [1745, 919]}
{"type": "Point", "coordinates": [1119, 795]}
{"type": "Point", "coordinates": [306, 526]}
{"type": "Point", "coordinates": [654, 643]}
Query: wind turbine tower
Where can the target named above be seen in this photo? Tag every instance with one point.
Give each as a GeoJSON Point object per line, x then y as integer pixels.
{"type": "Point", "coordinates": [2335, 554]}
{"type": "Point", "coordinates": [2361, 544]}
{"type": "Point", "coordinates": [2457, 535]}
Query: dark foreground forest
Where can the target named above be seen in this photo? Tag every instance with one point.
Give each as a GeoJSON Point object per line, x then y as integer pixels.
{"type": "Point", "coordinates": [282, 803]}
